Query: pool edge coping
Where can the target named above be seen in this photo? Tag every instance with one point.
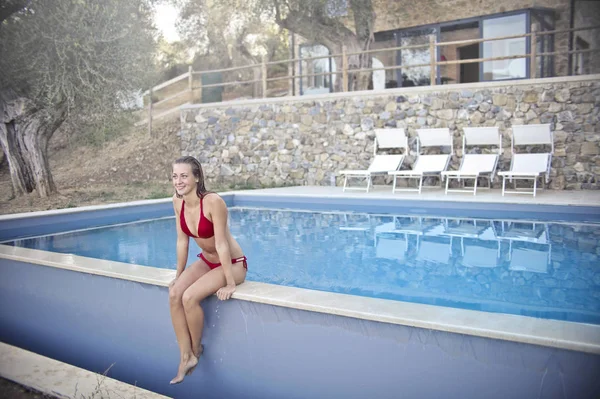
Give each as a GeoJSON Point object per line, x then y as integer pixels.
{"type": "Point", "coordinates": [375, 194]}
{"type": "Point", "coordinates": [580, 337]}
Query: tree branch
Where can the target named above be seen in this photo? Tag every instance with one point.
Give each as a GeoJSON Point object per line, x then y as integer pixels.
{"type": "Point", "coordinates": [327, 31]}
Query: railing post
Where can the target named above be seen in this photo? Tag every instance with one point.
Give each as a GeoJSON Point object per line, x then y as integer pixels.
{"type": "Point", "coordinates": [264, 76]}
{"type": "Point", "coordinates": [433, 59]}
{"type": "Point", "coordinates": [191, 84]}
{"type": "Point", "coordinates": [150, 112]}
{"type": "Point", "coordinates": [533, 54]}
{"type": "Point", "coordinates": [344, 69]}
{"type": "Point", "coordinates": [199, 88]}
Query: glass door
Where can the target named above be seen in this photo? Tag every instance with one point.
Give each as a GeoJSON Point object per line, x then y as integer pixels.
{"type": "Point", "coordinates": [516, 68]}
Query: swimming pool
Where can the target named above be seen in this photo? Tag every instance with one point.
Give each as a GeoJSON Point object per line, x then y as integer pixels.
{"type": "Point", "coordinates": [276, 340]}
{"type": "Point", "coordinates": [535, 268]}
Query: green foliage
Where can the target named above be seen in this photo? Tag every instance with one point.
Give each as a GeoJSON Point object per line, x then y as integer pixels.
{"type": "Point", "coordinates": [87, 54]}
{"type": "Point", "coordinates": [173, 59]}
{"type": "Point", "coordinates": [223, 38]}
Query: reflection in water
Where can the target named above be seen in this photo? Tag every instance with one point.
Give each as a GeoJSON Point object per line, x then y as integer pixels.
{"type": "Point", "coordinates": [511, 266]}
{"type": "Point", "coordinates": [529, 247]}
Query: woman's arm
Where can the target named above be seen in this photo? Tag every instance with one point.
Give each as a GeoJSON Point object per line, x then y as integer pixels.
{"type": "Point", "coordinates": [218, 212]}
{"type": "Point", "coordinates": [182, 241]}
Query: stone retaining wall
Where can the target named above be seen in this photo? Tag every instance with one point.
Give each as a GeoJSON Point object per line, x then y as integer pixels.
{"type": "Point", "coordinates": [307, 140]}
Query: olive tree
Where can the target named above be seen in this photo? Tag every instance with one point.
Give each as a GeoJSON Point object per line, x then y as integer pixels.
{"type": "Point", "coordinates": [62, 59]}
{"type": "Point", "coordinates": [333, 23]}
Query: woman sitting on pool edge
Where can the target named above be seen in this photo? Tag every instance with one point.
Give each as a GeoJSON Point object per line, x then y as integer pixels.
{"type": "Point", "coordinates": [220, 267]}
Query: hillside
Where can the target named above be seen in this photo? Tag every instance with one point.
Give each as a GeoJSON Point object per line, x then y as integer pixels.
{"type": "Point", "coordinates": [130, 166]}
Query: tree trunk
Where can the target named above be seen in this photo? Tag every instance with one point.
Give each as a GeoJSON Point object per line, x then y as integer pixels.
{"type": "Point", "coordinates": [333, 34]}
{"type": "Point", "coordinates": [24, 135]}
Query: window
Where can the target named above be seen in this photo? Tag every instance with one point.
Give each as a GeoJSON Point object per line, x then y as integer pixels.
{"type": "Point", "coordinates": [499, 27]}
{"type": "Point", "coordinates": [580, 60]}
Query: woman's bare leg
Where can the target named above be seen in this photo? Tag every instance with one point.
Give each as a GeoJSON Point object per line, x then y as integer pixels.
{"type": "Point", "coordinates": [189, 276]}
{"type": "Point", "coordinates": [207, 285]}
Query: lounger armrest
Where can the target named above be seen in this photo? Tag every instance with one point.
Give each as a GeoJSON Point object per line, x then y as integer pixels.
{"type": "Point", "coordinates": [507, 173]}
{"type": "Point", "coordinates": [404, 173]}
{"type": "Point", "coordinates": [459, 174]}
{"type": "Point", "coordinates": [354, 172]}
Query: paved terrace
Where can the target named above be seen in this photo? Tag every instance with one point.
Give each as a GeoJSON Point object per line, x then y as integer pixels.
{"type": "Point", "coordinates": [545, 197]}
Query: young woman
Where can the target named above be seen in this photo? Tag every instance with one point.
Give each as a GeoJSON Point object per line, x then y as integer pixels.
{"type": "Point", "coordinates": [220, 267]}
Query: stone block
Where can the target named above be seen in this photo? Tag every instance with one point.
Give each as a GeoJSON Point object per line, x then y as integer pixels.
{"type": "Point", "coordinates": [584, 109]}
{"type": "Point", "coordinates": [590, 148]}
{"type": "Point", "coordinates": [499, 99]}
{"type": "Point", "coordinates": [562, 96]}
{"type": "Point", "coordinates": [437, 103]}
{"type": "Point", "coordinates": [579, 167]}
{"type": "Point", "coordinates": [565, 116]}
{"type": "Point", "coordinates": [447, 114]}
{"type": "Point", "coordinates": [592, 137]}
{"type": "Point", "coordinates": [367, 124]}
{"type": "Point", "coordinates": [530, 97]}
{"type": "Point", "coordinates": [560, 152]}
{"type": "Point", "coordinates": [226, 170]}
{"type": "Point", "coordinates": [530, 115]}
{"type": "Point", "coordinates": [390, 107]}
{"type": "Point", "coordinates": [555, 107]}
{"type": "Point", "coordinates": [476, 117]}
{"type": "Point", "coordinates": [348, 130]}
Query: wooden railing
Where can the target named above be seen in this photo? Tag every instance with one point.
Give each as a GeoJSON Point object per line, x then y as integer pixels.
{"type": "Point", "coordinates": [433, 46]}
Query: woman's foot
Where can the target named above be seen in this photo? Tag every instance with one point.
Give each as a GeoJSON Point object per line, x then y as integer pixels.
{"type": "Point", "coordinates": [187, 363]}
{"type": "Point", "coordinates": [197, 354]}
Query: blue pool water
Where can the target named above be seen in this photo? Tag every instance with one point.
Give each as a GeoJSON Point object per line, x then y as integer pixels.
{"type": "Point", "coordinates": [539, 269]}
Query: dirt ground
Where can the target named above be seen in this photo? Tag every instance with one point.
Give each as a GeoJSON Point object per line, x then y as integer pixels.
{"type": "Point", "coordinates": [12, 390]}
{"type": "Point", "coordinates": [131, 166]}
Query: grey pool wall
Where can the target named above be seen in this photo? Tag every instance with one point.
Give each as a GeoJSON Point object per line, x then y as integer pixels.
{"type": "Point", "coordinates": [255, 350]}
{"type": "Point", "coordinates": [258, 350]}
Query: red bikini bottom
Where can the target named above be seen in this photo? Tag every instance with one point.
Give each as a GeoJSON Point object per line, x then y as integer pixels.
{"type": "Point", "coordinates": [215, 265]}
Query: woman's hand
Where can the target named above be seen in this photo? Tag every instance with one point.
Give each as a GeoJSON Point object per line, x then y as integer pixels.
{"type": "Point", "coordinates": [226, 292]}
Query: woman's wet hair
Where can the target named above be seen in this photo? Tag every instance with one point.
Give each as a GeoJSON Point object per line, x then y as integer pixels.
{"type": "Point", "coordinates": [197, 171]}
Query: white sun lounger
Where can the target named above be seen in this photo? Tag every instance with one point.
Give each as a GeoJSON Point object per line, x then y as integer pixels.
{"type": "Point", "coordinates": [381, 164]}
{"type": "Point", "coordinates": [474, 166]}
{"type": "Point", "coordinates": [427, 165]}
{"type": "Point", "coordinates": [529, 166]}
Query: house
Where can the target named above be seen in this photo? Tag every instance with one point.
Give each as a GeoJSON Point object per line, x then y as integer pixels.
{"type": "Point", "coordinates": [402, 23]}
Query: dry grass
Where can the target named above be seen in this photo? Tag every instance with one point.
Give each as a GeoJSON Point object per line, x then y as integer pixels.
{"type": "Point", "coordinates": [130, 166]}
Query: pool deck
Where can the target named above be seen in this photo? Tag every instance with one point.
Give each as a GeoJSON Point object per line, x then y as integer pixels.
{"type": "Point", "coordinates": [545, 197]}
{"type": "Point", "coordinates": [63, 380]}
{"type": "Point", "coordinates": [552, 333]}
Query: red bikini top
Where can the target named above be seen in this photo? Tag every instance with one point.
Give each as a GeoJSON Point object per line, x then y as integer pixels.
{"type": "Point", "coordinates": [205, 226]}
